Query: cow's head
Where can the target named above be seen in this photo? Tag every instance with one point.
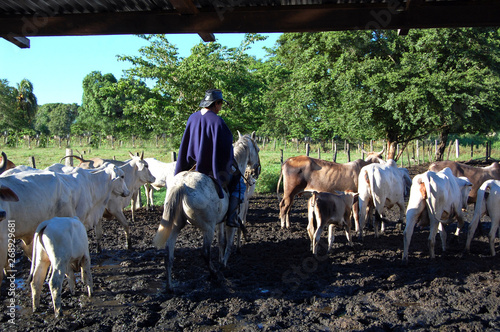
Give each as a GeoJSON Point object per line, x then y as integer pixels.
{"type": "Point", "coordinates": [142, 167]}
{"type": "Point", "coordinates": [7, 195]}
{"type": "Point", "coordinates": [119, 187]}
{"type": "Point", "coordinates": [374, 157]}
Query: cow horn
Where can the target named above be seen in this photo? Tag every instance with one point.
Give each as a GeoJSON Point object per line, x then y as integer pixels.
{"type": "Point", "coordinates": [131, 155]}
{"type": "Point", "coordinates": [3, 164]}
{"type": "Point", "coordinates": [363, 150]}
{"type": "Point", "coordinates": [383, 149]}
{"type": "Point", "coordinates": [142, 155]}
{"type": "Point", "coordinates": [239, 134]}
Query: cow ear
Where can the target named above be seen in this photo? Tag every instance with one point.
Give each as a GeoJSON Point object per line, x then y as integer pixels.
{"type": "Point", "coordinates": [6, 194]}
{"type": "Point", "coordinates": [253, 135]}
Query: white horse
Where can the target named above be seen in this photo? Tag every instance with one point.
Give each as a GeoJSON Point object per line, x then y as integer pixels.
{"type": "Point", "coordinates": [192, 198]}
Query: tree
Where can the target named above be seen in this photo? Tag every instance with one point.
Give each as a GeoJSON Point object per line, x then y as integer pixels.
{"type": "Point", "coordinates": [26, 104]}
{"type": "Point", "coordinates": [56, 118]}
{"type": "Point", "coordinates": [7, 104]}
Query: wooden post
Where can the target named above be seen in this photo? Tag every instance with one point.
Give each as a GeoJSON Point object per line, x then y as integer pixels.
{"type": "Point", "coordinates": [319, 153]}
{"type": "Point", "coordinates": [362, 150]}
{"type": "Point", "coordinates": [335, 152]}
{"type": "Point", "coordinates": [69, 161]}
{"type": "Point", "coordinates": [32, 162]}
{"type": "Point", "coordinates": [472, 150]}
{"type": "Point", "coordinates": [348, 153]}
{"type": "Point", "coordinates": [281, 158]}
{"type": "Point", "coordinates": [418, 153]}
{"type": "Point", "coordinates": [174, 156]}
{"type": "Point", "coordinates": [371, 145]}
{"type": "Point", "coordinates": [457, 147]}
{"type": "Point", "coordinates": [307, 149]}
{"type": "Point", "coordinates": [435, 147]}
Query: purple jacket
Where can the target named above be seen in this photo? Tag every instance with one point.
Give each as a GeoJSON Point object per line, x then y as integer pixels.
{"type": "Point", "coordinates": [208, 143]}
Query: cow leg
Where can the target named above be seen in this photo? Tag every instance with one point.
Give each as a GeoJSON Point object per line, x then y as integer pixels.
{"type": "Point", "coordinates": [148, 192]}
{"type": "Point", "coordinates": [407, 234]}
{"type": "Point", "coordinates": [443, 235]}
{"type": "Point", "coordinates": [317, 236]}
{"type": "Point", "coordinates": [71, 278]}
{"type": "Point", "coordinates": [86, 274]}
{"type": "Point", "coordinates": [331, 237]}
{"type": "Point", "coordinates": [98, 235]}
{"type": "Point", "coordinates": [55, 284]}
{"type": "Point", "coordinates": [124, 222]}
{"type": "Point", "coordinates": [377, 223]}
{"type": "Point", "coordinates": [285, 206]}
{"type": "Point", "coordinates": [41, 267]}
{"type": "Point", "coordinates": [402, 215]}
{"type": "Point", "coordinates": [311, 226]}
{"type": "Point", "coordinates": [432, 237]}
{"type": "Point", "coordinates": [493, 233]}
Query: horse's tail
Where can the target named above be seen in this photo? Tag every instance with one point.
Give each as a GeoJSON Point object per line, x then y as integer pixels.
{"type": "Point", "coordinates": [279, 182]}
{"type": "Point", "coordinates": [171, 211]}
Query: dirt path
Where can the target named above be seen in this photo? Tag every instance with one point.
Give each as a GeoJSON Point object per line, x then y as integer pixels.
{"type": "Point", "coordinates": [274, 283]}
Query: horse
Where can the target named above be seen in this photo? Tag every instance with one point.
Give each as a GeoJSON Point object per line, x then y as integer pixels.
{"type": "Point", "coordinates": [192, 198]}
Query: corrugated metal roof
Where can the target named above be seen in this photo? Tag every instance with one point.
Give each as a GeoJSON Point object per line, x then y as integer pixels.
{"type": "Point", "coordinates": [24, 18]}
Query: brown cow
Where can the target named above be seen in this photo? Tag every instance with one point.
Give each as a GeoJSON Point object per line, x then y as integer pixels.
{"type": "Point", "coordinates": [303, 173]}
{"type": "Point", "coordinates": [328, 209]}
{"type": "Point", "coordinates": [476, 175]}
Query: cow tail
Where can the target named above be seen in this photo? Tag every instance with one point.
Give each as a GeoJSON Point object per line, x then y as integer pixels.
{"type": "Point", "coordinates": [427, 186]}
{"type": "Point", "coordinates": [314, 198]}
{"type": "Point", "coordinates": [171, 211]}
{"type": "Point", "coordinates": [279, 182]}
{"type": "Point", "coordinates": [480, 202]}
{"type": "Point", "coordinates": [38, 235]}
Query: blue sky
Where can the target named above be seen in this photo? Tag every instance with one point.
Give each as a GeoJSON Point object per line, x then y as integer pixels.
{"type": "Point", "coordinates": [57, 65]}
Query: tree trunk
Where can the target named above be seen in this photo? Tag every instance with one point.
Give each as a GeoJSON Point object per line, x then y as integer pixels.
{"type": "Point", "coordinates": [391, 149]}
{"type": "Point", "coordinates": [443, 137]}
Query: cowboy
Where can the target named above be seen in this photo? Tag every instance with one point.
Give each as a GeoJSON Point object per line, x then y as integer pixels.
{"type": "Point", "coordinates": [207, 145]}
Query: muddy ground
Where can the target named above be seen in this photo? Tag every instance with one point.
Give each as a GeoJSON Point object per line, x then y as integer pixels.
{"type": "Point", "coordinates": [274, 283]}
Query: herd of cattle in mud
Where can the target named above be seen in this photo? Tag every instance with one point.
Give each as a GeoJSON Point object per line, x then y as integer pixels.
{"type": "Point", "coordinates": [66, 202]}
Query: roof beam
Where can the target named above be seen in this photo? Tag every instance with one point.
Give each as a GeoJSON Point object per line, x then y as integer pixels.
{"type": "Point", "coordinates": [19, 41]}
{"type": "Point", "coordinates": [187, 7]}
{"type": "Point", "coordinates": [259, 19]}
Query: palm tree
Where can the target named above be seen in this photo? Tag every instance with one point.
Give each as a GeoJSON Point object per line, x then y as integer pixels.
{"type": "Point", "coordinates": [26, 102]}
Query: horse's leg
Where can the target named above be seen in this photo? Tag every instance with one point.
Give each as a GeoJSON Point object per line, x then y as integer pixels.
{"type": "Point", "coordinates": [208, 238]}
{"type": "Point", "coordinates": [229, 244]}
{"type": "Point", "coordinates": [172, 232]}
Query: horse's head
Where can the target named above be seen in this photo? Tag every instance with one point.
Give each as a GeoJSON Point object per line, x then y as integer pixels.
{"type": "Point", "coordinates": [248, 144]}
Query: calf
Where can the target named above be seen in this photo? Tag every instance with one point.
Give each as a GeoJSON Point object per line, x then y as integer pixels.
{"type": "Point", "coordinates": [488, 202]}
{"type": "Point", "coordinates": [328, 209]}
{"type": "Point", "coordinates": [61, 243]}
{"type": "Point", "coordinates": [442, 196]}
{"type": "Point", "coordinates": [380, 186]}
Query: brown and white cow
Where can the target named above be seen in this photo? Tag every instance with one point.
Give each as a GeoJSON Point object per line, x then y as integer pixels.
{"type": "Point", "coordinates": [476, 175]}
{"type": "Point", "coordinates": [328, 209]}
{"type": "Point", "coordinates": [303, 173]}
{"type": "Point", "coordinates": [440, 196]}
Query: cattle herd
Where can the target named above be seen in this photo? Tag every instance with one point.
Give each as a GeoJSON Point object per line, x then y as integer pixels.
{"type": "Point", "coordinates": [66, 202]}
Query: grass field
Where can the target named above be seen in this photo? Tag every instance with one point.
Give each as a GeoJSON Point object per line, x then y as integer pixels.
{"type": "Point", "coordinates": [271, 156]}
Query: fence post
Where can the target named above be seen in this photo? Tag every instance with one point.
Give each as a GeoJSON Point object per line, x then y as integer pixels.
{"type": "Point", "coordinates": [457, 149]}
{"type": "Point", "coordinates": [174, 156]}
{"type": "Point", "coordinates": [319, 152]}
{"type": "Point", "coordinates": [307, 149]}
{"type": "Point", "coordinates": [69, 160]}
{"type": "Point", "coordinates": [335, 152]}
{"type": "Point", "coordinates": [281, 158]}
{"type": "Point", "coordinates": [348, 152]}
{"type": "Point", "coordinates": [32, 161]}
{"type": "Point", "coordinates": [417, 156]}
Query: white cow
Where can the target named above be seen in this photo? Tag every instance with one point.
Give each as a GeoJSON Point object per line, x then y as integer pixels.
{"type": "Point", "coordinates": [380, 186]}
{"type": "Point", "coordinates": [328, 209]}
{"type": "Point", "coordinates": [137, 173]}
{"type": "Point", "coordinates": [44, 195]}
{"type": "Point", "coordinates": [488, 202]}
{"type": "Point", "coordinates": [163, 173]}
{"type": "Point", "coordinates": [441, 196]}
{"type": "Point", "coordinates": [61, 243]}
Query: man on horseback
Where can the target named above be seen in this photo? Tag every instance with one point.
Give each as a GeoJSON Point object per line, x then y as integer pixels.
{"type": "Point", "coordinates": [207, 145]}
